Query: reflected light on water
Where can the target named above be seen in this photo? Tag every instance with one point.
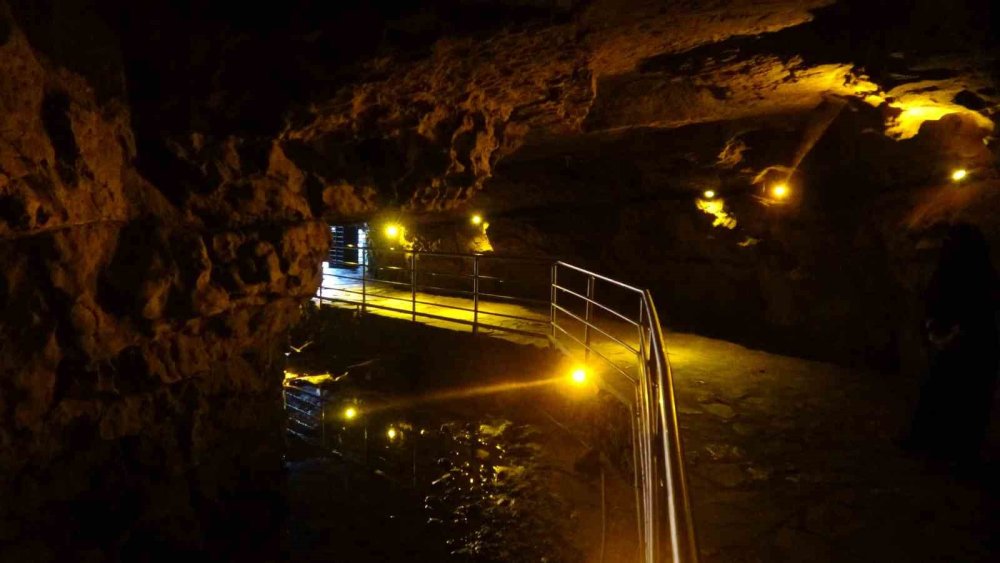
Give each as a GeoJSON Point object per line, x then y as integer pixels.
{"type": "Point", "coordinates": [463, 393]}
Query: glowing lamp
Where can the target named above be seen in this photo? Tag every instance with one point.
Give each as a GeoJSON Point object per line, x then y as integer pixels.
{"type": "Point", "coordinates": [392, 433]}
{"type": "Point", "coordinates": [959, 175]}
{"type": "Point", "coordinates": [350, 413]}
{"type": "Point", "coordinates": [579, 376]}
{"type": "Point", "coordinates": [477, 219]}
{"type": "Point", "coordinates": [780, 191]}
{"type": "Point", "coordinates": [392, 231]}
{"type": "Point", "coordinates": [709, 194]}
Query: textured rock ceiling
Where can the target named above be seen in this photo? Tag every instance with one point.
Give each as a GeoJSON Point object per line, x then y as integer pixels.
{"type": "Point", "coordinates": [440, 122]}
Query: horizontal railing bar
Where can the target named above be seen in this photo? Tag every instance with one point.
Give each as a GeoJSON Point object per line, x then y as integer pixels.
{"type": "Point", "coordinates": [440, 317]}
{"type": "Point", "coordinates": [303, 424]}
{"type": "Point", "coordinates": [343, 277]}
{"type": "Point", "coordinates": [308, 439]}
{"type": "Point", "coordinates": [303, 395]}
{"type": "Point", "coordinates": [445, 289]}
{"type": "Point", "coordinates": [598, 329]}
{"type": "Point", "coordinates": [459, 291]}
{"type": "Point", "coordinates": [606, 359]}
{"type": "Point", "coordinates": [491, 256]}
{"type": "Point", "coordinates": [387, 282]}
{"type": "Point", "coordinates": [302, 411]}
{"type": "Point", "coordinates": [422, 273]}
{"type": "Point", "coordinates": [382, 295]}
{"type": "Point", "coordinates": [517, 299]}
{"type": "Point", "coordinates": [591, 301]}
{"type": "Point", "coordinates": [312, 401]}
{"type": "Point", "coordinates": [600, 277]}
{"type": "Point", "coordinates": [442, 305]}
{"type": "Point", "coordinates": [301, 436]}
{"type": "Point", "coordinates": [515, 317]}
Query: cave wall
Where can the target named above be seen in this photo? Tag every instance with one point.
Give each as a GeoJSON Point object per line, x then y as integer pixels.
{"type": "Point", "coordinates": [141, 337]}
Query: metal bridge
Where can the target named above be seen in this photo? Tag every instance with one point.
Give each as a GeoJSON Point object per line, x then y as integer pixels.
{"type": "Point", "coordinates": [587, 316]}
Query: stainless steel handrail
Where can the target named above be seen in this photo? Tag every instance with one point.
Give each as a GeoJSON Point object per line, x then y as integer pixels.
{"type": "Point", "coordinates": [663, 505]}
{"type": "Point", "coordinates": [663, 501]}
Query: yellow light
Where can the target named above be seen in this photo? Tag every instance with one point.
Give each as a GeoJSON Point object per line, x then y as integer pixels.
{"type": "Point", "coordinates": [579, 376]}
{"type": "Point", "coordinates": [477, 219]}
{"type": "Point", "coordinates": [959, 174]}
{"type": "Point", "coordinates": [350, 413]}
{"type": "Point", "coordinates": [391, 433]}
{"type": "Point", "coordinates": [780, 191]}
{"type": "Point", "coordinates": [709, 194]}
{"type": "Point", "coordinates": [392, 231]}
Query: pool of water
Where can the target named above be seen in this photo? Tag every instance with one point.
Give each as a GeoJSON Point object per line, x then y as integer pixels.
{"type": "Point", "coordinates": [451, 481]}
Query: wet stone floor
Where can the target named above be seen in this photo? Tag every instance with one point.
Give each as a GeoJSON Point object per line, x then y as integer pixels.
{"type": "Point", "coordinates": [792, 460]}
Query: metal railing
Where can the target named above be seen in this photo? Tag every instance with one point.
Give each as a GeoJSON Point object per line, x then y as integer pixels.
{"type": "Point", "coordinates": [662, 501]}
{"type": "Point", "coordinates": [556, 301]}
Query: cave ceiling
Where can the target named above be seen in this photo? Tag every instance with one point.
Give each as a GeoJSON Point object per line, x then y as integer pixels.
{"type": "Point", "coordinates": [584, 78]}
{"type": "Point", "coordinates": [363, 106]}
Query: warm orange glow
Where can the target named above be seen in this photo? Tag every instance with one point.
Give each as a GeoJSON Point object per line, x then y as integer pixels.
{"type": "Point", "coordinates": [392, 231]}
{"type": "Point", "coordinates": [959, 175]}
{"type": "Point", "coordinates": [780, 191]}
{"type": "Point", "coordinates": [392, 433]}
{"type": "Point", "coordinates": [709, 194]}
{"type": "Point", "coordinates": [579, 376]}
{"type": "Point", "coordinates": [477, 219]}
{"type": "Point", "coordinates": [350, 413]}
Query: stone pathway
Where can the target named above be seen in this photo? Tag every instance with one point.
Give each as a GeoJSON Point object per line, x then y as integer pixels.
{"type": "Point", "coordinates": [792, 460]}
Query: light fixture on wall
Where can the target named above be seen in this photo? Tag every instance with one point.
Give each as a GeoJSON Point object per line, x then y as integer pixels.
{"type": "Point", "coordinates": [476, 219]}
{"type": "Point", "coordinates": [780, 191]}
{"type": "Point", "coordinates": [708, 194]}
{"type": "Point", "coordinates": [392, 230]}
{"type": "Point", "coordinates": [959, 174]}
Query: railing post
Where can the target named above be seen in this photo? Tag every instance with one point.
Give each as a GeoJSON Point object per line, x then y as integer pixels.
{"type": "Point", "coordinates": [475, 294]}
{"type": "Point", "coordinates": [552, 298]}
{"type": "Point", "coordinates": [587, 317]}
{"type": "Point", "coordinates": [413, 283]}
{"type": "Point", "coordinates": [364, 283]}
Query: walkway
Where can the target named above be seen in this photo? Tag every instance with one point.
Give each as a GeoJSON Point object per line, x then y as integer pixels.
{"type": "Point", "coordinates": [380, 295]}
{"type": "Point", "coordinates": [792, 460]}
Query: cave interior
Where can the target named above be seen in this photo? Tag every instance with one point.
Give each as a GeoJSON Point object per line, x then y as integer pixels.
{"type": "Point", "coordinates": [179, 182]}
